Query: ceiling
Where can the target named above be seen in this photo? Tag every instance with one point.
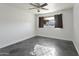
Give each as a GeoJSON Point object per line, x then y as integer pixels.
{"type": "Point", "coordinates": [51, 7]}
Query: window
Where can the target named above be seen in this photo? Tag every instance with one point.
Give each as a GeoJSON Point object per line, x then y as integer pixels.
{"type": "Point", "coordinates": [53, 21]}
{"type": "Point", "coordinates": [50, 21]}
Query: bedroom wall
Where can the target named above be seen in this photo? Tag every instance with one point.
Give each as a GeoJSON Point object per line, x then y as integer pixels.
{"type": "Point", "coordinates": [76, 26]}
{"type": "Point", "coordinates": [15, 25]}
{"type": "Point", "coordinates": [66, 33]}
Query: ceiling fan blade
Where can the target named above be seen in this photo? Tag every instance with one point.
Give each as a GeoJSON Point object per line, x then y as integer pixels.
{"type": "Point", "coordinates": [38, 4]}
{"type": "Point", "coordinates": [45, 4]}
{"type": "Point", "coordinates": [32, 8]}
{"type": "Point", "coordinates": [33, 5]}
{"type": "Point", "coordinates": [44, 8]}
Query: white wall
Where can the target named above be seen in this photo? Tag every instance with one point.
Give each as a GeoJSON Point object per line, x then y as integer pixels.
{"type": "Point", "coordinates": [15, 25]}
{"type": "Point", "coordinates": [76, 26]}
{"type": "Point", "coordinates": [66, 33]}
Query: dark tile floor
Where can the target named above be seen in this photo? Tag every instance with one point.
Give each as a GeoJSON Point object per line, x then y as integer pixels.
{"type": "Point", "coordinates": [39, 46]}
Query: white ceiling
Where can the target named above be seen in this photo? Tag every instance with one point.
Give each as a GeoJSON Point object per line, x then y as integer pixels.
{"type": "Point", "coordinates": [51, 7]}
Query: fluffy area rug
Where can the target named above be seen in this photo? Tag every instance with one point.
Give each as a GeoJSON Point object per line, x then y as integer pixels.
{"type": "Point", "coordinates": [40, 50]}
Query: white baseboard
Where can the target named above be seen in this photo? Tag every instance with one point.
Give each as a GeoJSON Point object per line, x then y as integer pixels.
{"type": "Point", "coordinates": [16, 42]}
{"type": "Point", "coordinates": [55, 37]}
{"type": "Point", "coordinates": [76, 46]}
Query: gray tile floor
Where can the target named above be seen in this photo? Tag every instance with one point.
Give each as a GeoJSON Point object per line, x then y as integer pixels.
{"type": "Point", "coordinates": [61, 47]}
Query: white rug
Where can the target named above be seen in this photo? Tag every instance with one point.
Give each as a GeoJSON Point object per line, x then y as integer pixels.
{"type": "Point", "coordinates": [40, 50]}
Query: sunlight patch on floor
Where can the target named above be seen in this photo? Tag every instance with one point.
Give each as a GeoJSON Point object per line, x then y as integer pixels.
{"type": "Point", "coordinates": [40, 50]}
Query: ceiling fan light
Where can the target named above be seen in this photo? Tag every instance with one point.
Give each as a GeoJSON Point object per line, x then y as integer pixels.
{"type": "Point", "coordinates": [38, 10]}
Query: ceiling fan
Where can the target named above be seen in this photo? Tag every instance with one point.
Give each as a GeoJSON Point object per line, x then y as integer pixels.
{"type": "Point", "coordinates": [38, 6]}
